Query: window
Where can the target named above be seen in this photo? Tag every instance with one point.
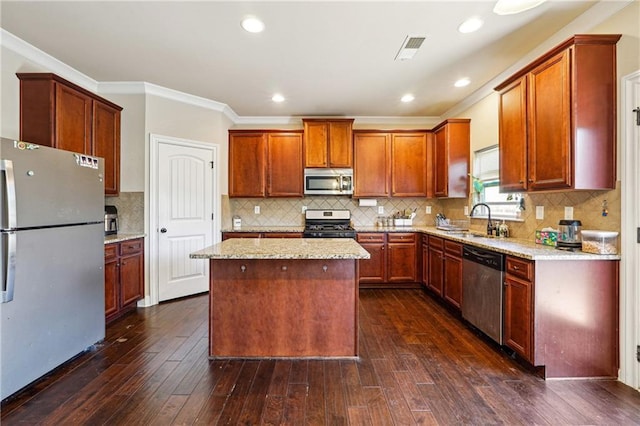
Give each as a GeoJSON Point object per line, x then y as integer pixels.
{"type": "Point", "coordinates": [485, 184]}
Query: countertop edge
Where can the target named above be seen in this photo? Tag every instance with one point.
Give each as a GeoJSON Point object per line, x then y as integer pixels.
{"type": "Point", "coordinates": [120, 237]}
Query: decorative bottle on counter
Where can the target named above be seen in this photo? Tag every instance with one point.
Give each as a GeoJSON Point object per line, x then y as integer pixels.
{"type": "Point", "coordinates": [503, 230]}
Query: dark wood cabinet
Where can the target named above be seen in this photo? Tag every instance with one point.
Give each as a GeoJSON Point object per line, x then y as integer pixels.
{"type": "Point", "coordinates": [452, 273]}
{"type": "Point", "coordinates": [328, 143]}
{"type": "Point", "coordinates": [390, 164]}
{"type": "Point", "coordinates": [553, 135]}
{"type": "Point", "coordinates": [57, 113]}
{"type": "Point", "coordinates": [124, 277]}
{"type": "Point", "coordinates": [436, 265]}
{"type": "Point", "coordinates": [451, 150]}
{"type": "Point", "coordinates": [518, 306]}
{"type": "Point", "coordinates": [409, 164]}
{"type": "Point", "coordinates": [265, 164]}
{"type": "Point", "coordinates": [393, 262]}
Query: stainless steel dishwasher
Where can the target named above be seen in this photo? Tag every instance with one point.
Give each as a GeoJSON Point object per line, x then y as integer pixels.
{"type": "Point", "coordinates": [482, 291]}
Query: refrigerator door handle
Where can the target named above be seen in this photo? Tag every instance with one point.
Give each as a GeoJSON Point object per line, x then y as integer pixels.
{"type": "Point", "coordinates": [8, 265]}
{"type": "Point", "coordinates": [6, 167]}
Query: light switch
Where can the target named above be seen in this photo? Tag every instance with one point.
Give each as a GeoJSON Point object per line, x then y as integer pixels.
{"type": "Point", "coordinates": [465, 211]}
{"type": "Point", "coordinates": [539, 212]}
{"type": "Point", "coordinates": [256, 209]}
{"type": "Point", "coordinates": [427, 210]}
{"type": "Point", "coordinates": [380, 209]}
{"type": "Point", "coordinates": [568, 213]}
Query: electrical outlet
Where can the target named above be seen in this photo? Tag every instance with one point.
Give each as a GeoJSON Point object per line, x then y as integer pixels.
{"type": "Point", "coordinates": [304, 209]}
{"type": "Point", "coordinates": [380, 209]}
{"type": "Point", "coordinates": [256, 209]}
{"type": "Point", "coordinates": [427, 210]}
{"type": "Point", "coordinates": [465, 211]}
{"type": "Point", "coordinates": [539, 212]}
{"type": "Point", "coordinates": [568, 213]}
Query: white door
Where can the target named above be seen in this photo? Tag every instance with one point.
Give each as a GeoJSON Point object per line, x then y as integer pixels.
{"type": "Point", "coordinates": [185, 217]}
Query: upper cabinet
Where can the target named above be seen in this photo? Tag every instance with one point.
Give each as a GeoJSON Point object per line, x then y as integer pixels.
{"type": "Point", "coordinates": [265, 163]}
{"type": "Point", "coordinates": [390, 164]}
{"type": "Point", "coordinates": [55, 112]}
{"type": "Point", "coordinates": [451, 150]}
{"type": "Point", "coordinates": [328, 143]}
{"type": "Point", "coordinates": [557, 119]}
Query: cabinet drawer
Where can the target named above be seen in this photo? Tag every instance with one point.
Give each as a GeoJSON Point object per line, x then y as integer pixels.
{"type": "Point", "coordinates": [110, 251]}
{"type": "Point", "coordinates": [373, 237]}
{"type": "Point", "coordinates": [453, 248]}
{"type": "Point", "coordinates": [130, 247]}
{"type": "Point", "coordinates": [436, 242]}
{"type": "Point", "coordinates": [401, 238]}
{"type": "Point", "coordinates": [520, 268]}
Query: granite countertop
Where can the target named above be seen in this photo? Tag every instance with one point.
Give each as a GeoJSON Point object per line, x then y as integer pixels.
{"type": "Point", "coordinates": [512, 246]}
{"type": "Point", "coordinates": [120, 237]}
{"type": "Point", "coordinates": [277, 248]}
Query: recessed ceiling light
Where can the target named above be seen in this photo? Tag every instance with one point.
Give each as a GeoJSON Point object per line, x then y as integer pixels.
{"type": "Point", "coordinates": [252, 24]}
{"type": "Point", "coordinates": [462, 82]}
{"type": "Point", "coordinates": [407, 98]}
{"type": "Point", "coordinates": [510, 7]}
{"type": "Point", "coordinates": [470, 25]}
{"type": "Point", "coordinates": [277, 98]}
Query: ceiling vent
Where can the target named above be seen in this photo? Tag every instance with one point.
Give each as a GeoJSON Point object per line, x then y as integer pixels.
{"type": "Point", "coordinates": [409, 47]}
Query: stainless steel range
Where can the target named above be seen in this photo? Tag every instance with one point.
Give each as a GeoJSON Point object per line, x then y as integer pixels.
{"type": "Point", "coordinates": [328, 224]}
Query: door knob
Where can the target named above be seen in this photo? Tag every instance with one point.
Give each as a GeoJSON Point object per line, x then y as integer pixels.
{"type": "Point", "coordinates": [163, 230]}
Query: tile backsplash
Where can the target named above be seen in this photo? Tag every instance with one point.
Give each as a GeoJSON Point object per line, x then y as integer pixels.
{"type": "Point", "coordinates": [130, 207]}
{"type": "Point", "coordinates": [587, 207]}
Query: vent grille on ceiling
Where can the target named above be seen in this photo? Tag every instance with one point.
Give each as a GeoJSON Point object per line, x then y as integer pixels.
{"type": "Point", "coordinates": [409, 47]}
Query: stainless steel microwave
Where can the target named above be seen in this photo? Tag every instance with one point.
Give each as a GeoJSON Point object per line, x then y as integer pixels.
{"type": "Point", "coordinates": [328, 181]}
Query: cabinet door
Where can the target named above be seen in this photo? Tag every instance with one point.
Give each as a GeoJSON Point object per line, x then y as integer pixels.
{"type": "Point", "coordinates": [425, 260]}
{"type": "Point", "coordinates": [316, 134]}
{"type": "Point", "coordinates": [453, 279]}
{"type": "Point", "coordinates": [371, 164]}
{"type": "Point", "coordinates": [372, 270]}
{"type": "Point", "coordinates": [550, 124]}
{"type": "Point", "coordinates": [341, 144]}
{"type": "Point", "coordinates": [284, 170]}
{"type": "Point", "coordinates": [440, 163]}
{"type": "Point", "coordinates": [518, 316]}
{"type": "Point", "coordinates": [402, 262]}
{"type": "Point", "coordinates": [73, 120]}
{"type": "Point", "coordinates": [409, 165]}
{"type": "Point", "coordinates": [436, 277]}
{"type": "Point", "coordinates": [111, 281]}
{"type": "Point", "coordinates": [106, 144]}
{"type": "Point", "coordinates": [131, 279]}
{"type": "Point", "coordinates": [513, 136]}
{"type": "Point", "coordinates": [247, 164]}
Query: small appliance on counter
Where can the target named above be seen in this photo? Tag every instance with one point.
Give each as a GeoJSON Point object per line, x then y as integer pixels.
{"type": "Point", "coordinates": [110, 220]}
{"type": "Point", "coordinates": [569, 237]}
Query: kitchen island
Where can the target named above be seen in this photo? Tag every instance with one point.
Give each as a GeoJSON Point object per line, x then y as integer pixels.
{"type": "Point", "coordinates": [283, 297]}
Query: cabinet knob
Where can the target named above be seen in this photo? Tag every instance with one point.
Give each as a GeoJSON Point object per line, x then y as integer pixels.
{"type": "Point", "coordinates": [516, 268]}
{"type": "Point", "coordinates": [284, 268]}
{"type": "Point", "coordinates": [530, 180]}
{"type": "Point", "coordinates": [243, 268]}
{"type": "Point", "coordinates": [325, 268]}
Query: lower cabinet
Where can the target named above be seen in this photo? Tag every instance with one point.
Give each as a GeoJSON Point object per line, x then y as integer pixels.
{"type": "Point", "coordinates": [453, 273]}
{"type": "Point", "coordinates": [518, 318]}
{"type": "Point", "coordinates": [435, 281]}
{"type": "Point", "coordinates": [393, 262]}
{"type": "Point", "coordinates": [123, 277]}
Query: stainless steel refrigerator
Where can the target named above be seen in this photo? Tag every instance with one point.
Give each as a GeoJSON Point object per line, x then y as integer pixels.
{"type": "Point", "coordinates": [52, 229]}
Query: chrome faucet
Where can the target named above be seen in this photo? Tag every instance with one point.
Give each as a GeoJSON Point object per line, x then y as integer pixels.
{"type": "Point", "coordinates": [490, 226]}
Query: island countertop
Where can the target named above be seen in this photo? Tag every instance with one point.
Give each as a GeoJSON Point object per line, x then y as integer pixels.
{"type": "Point", "coordinates": [289, 248]}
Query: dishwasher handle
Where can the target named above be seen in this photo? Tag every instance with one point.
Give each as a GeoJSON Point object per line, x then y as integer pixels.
{"type": "Point", "coordinates": [488, 258]}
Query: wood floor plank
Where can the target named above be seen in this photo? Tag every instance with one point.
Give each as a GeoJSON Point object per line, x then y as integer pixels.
{"type": "Point", "coordinates": [419, 364]}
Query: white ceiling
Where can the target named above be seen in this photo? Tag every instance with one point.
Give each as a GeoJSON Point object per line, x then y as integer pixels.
{"type": "Point", "coordinates": [325, 57]}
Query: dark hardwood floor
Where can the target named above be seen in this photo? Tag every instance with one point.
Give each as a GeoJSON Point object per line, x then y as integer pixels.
{"type": "Point", "coordinates": [418, 365]}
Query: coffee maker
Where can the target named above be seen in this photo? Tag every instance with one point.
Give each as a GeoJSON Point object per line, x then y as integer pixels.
{"type": "Point", "coordinates": [110, 220]}
{"type": "Point", "coordinates": [569, 236]}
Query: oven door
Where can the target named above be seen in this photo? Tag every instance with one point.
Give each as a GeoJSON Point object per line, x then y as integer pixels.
{"type": "Point", "coordinates": [328, 181]}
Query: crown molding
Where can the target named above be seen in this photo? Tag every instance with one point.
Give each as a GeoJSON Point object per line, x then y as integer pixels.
{"type": "Point", "coordinates": [42, 59]}
{"type": "Point", "coordinates": [594, 16]}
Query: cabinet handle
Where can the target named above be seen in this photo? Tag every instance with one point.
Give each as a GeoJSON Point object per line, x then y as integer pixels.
{"type": "Point", "coordinates": [243, 268]}
{"type": "Point", "coordinates": [516, 268]}
{"type": "Point", "coordinates": [284, 268]}
{"type": "Point", "coordinates": [325, 268]}
{"type": "Point", "coordinates": [530, 180]}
